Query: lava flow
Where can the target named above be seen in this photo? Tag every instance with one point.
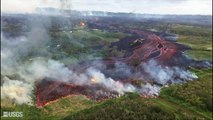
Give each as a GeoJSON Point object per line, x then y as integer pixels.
{"type": "Point", "coordinates": [139, 48]}
{"type": "Point", "coordinates": [48, 91]}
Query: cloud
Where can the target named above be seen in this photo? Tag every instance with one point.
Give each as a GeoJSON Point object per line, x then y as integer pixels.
{"type": "Point", "coordinates": [139, 6]}
{"type": "Point", "coordinates": [23, 6]}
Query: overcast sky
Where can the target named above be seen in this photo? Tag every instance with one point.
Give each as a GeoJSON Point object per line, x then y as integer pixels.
{"type": "Point", "coordinates": [203, 7]}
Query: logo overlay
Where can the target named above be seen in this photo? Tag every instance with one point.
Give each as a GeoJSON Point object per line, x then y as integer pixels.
{"type": "Point", "coordinates": [12, 114]}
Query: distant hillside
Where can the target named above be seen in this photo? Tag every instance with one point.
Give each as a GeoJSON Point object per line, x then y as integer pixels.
{"type": "Point", "coordinates": [204, 20]}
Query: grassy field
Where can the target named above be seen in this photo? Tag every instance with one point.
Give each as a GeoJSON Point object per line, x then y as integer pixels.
{"type": "Point", "coordinates": [65, 106]}
{"type": "Point", "coordinates": [54, 111]}
{"type": "Point", "coordinates": [70, 47]}
{"type": "Point", "coordinates": [129, 106]}
{"type": "Point", "coordinates": [194, 95]}
{"type": "Point", "coordinates": [134, 107]}
{"type": "Point", "coordinates": [198, 38]}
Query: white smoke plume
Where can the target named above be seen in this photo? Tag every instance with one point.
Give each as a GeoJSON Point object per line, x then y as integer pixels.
{"type": "Point", "coordinates": [163, 75]}
{"type": "Point", "coordinates": [15, 51]}
{"type": "Point", "coordinates": [150, 90]}
{"type": "Point", "coordinates": [16, 90]}
{"type": "Point", "coordinates": [98, 77]}
{"type": "Point", "coordinates": [20, 90]}
{"type": "Point", "coordinates": [19, 56]}
{"type": "Point", "coordinates": [57, 71]}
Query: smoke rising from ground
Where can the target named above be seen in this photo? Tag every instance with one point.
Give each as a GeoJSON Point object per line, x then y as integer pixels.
{"type": "Point", "coordinates": [18, 57]}
{"type": "Point", "coordinates": [16, 90]}
{"type": "Point", "coordinates": [117, 86]}
{"type": "Point", "coordinates": [26, 60]}
{"type": "Point", "coordinates": [39, 66]}
{"type": "Point", "coordinates": [163, 75]}
{"type": "Point", "coordinates": [150, 90]}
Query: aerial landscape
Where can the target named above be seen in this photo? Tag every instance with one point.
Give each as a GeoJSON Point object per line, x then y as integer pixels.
{"type": "Point", "coordinates": [81, 60]}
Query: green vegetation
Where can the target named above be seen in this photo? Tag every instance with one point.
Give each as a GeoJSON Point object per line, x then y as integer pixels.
{"type": "Point", "coordinates": [65, 106]}
{"type": "Point", "coordinates": [198, 38]}
{"type": "Point", "coordinates": [194, 95]}
{"type": "Point", "coordinates": [29, 112]}
{"type": "Point", "coordinates": [130, 106]}
{"type": "Point", "coordinates": [54, 111]}
{"type": "Point", "coordinates": [133, 107]}
{"type": "Point", "coordinates": [108, 52]}
{"type": "Point", "coordinates": [80, 42]}
{"type": "Point", "coordinates": [191, 30]}
{"type": "Point", "coordinates": [127, 107]}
